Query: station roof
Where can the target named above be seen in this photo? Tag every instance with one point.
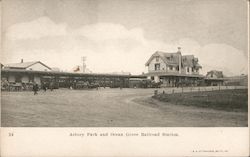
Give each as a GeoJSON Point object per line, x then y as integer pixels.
{"type": "Point", "coordinates": [58, 73]}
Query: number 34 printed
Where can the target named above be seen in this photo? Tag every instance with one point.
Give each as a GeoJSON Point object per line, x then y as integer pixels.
{"type": "Point", "coordinates": [11, 134]}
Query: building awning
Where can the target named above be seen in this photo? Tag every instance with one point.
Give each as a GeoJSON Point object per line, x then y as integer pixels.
{"type": "Point", "coordinates": [173, 74]}
{"type": "Point", "coordinates": [48, 77]}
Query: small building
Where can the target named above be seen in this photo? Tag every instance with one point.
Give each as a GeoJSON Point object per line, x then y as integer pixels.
{"type": "Point", "coordinates": [214, 78]}
{"type": "Point", "coordinates": [25, 66]}
{"type": "Point", "coordinates": [173, 68]}
{"type": "Point", "coordinates": [214, 74]}
{"type": "Point", "coordinates": [35, 65]}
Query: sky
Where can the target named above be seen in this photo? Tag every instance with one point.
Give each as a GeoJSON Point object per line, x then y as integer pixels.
{"type": "Point", "coordinates": [121, 35]}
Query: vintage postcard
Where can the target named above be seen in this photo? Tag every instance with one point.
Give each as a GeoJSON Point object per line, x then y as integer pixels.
{"type": "Point", "coordinates": [124, 78]}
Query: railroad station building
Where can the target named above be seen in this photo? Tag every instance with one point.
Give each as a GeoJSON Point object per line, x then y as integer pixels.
{"type": "Point", "coordinates": [174, 69]}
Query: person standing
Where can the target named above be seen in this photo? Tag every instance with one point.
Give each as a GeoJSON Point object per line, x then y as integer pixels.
{"type": "Point", "coordinates": [44, 87]}
{"type": "Point", "coordinates": [51, 86]}
{"type": "Point", "coordinates": [35, 88]}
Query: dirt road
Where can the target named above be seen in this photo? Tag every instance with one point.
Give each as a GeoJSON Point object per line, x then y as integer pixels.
{"type": "Point", "coordinates": [107, 108]}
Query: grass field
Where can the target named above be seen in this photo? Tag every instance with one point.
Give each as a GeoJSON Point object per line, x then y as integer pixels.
{"type": "Point", "coordinates": [110, 108]}
{"type": "Point", "coordinates": [228, 100]}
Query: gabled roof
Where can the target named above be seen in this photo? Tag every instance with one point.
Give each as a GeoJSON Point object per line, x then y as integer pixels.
{"type": "Point", "coordinates": [219, 74]}
{"type": "Point", "coordinates": [173, 58]}
{"type": "Point", "coordinates": [186, 60]}
{"type": "Point", "coordinates": [164, 56]}
{"type": "Point", "coordinates": [24, 65]}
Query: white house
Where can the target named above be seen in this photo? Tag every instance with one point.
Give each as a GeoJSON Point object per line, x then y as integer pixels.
{"type": "Point", "coordinates": [172, 67]}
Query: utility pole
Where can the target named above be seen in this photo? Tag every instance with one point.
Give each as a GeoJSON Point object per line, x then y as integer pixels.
{"type": "Point", "coordinates": [83, 64]}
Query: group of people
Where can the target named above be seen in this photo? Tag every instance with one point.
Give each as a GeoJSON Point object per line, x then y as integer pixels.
{"type": "Point", "coordinates": [44, 87]}
{"type": "Point", "coordinates": [15, 86]}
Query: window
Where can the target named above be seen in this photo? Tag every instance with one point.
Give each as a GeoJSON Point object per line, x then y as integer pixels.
{"type": "Point", "coordinates": [192, 69]}
{"type": "Point", "coordinates": [177, 68]}
{"type": "Point", "coordinates": [188, 69]}
{"type": "Point", "coordinates": [157, 58]}
{"type": "Point", "coordinates": [157, 66]}
{"type": "Point", "coordinates": [170, 67]}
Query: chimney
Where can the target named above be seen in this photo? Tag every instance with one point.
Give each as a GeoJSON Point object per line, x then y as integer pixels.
{"type": "Point", "coordinates": [179, 49]}
{"type": "Point", "coordinates": [21, 60]}
{"type": "Point", "coordinates": [179, 57]}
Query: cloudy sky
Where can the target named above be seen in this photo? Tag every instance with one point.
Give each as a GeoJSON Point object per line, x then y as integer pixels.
{"type": "Point", "coordinates": [120, 35]}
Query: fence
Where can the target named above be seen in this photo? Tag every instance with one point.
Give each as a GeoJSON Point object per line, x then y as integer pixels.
{"type": "Point", "coordinates": [195, 89]}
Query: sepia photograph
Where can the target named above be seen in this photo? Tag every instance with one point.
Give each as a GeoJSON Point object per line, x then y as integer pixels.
{"type": "Point", "coordinates": [124, 78]}
{"type": "Point", "coordinates": [126, 63]}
